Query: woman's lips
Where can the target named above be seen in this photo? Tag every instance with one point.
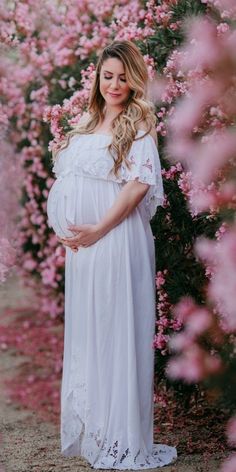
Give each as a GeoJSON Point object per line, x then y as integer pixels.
{"type": "Point", "coordinates": [114, 94]}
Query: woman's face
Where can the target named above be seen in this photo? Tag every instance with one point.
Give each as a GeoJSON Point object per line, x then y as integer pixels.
{"type": "Point", "coordinates": [113, 85]}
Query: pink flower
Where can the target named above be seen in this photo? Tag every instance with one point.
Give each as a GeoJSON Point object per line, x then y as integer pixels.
{"type": "Point", "coordinates": [198, 322]}
{"type": "Point", "coordinates": [30, 265]}
{"type": "Point", "coordinates": [221, 256]}
{"type": "Point", "coordinates": [180, 341]}
{"type": "Point", "coordinates": [222, 28]}
{"type": "Point", "coordinates": [160, 341]}
{"type": "Point", "coordinates": [160, 279]}
{"type": "Point", "coordinates": [231, 431]}
{"type": "Point", "coordinates": [204, 49]}
{"type": "Point", "coordinates": [229, 465]}
{"type": "Point", "coordinates": [184, 309]}
{"type": "Point", "coordinates": [194, 365]}
{"type": "Point", "coordinates": [207, 159]}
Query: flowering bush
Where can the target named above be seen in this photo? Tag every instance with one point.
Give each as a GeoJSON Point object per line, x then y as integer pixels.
{"type": "Point", "coordinates": [50, 49]}
{"type": "Point", "coordinates": [202, 136]}
{"type": "Point", "coordinates": [10, 176]}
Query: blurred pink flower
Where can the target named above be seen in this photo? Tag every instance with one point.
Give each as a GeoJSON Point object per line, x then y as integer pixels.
{"type": "Point", "coordinates": [229, 465]}
{"type": "Point", "coordinates": [193, 365]}
{"type": "Point", "coordinates": [222, 28]}
{"type": "Point", "coordinates": [231, 431]}
{"type": "Point", "coordinates": [202, 50]}
{"type": "Point", "coordinates": [184, 309]}
{"type": "Point", "coordinates": [198, 322]}
{"type": "Point", "coordinates": [30, 265]}
{"type": "Point", "coordinates": [208, 158]}
{"type": "Point", "coordinates": [181, 341]}
{"type": "Point", "coordinates": [221, 256]}
{"type": "Point", "coordinates": [227, 8]}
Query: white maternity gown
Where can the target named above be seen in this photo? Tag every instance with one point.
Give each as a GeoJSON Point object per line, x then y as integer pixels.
{"type": "Point", "coordinates": [108, 363]}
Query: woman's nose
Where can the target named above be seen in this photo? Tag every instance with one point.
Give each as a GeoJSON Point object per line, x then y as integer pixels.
{"type": "Point", "coordinates": [115, 83]}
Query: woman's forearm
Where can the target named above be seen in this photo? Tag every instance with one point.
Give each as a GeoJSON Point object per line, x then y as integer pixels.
{"type": "Point", "coordinates": [129, 197]}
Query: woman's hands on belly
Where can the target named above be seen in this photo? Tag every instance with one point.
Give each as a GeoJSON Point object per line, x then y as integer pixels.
{"type": "Point", "coordinates": [84, 236]}
{"type": "Point", "coordinates": [125, 203]}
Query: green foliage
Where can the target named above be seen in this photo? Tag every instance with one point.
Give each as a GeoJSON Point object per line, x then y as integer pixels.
{"type": "Point", "coordinates": [165, 40]}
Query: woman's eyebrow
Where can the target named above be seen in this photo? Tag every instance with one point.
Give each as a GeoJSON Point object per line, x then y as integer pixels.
{"type": "Point", "coordinates": [108, 72]}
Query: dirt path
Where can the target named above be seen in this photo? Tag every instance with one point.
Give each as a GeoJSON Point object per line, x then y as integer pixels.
{"type": "Point", "coordinates": [30, 445]}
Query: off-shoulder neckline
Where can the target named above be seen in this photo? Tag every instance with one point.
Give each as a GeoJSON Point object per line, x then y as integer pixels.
{"type": "Point", "coordinates": [109, 135]}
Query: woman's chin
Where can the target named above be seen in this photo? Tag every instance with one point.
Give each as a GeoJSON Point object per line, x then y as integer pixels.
{"type": "Point", "coordinates": [113, 101]}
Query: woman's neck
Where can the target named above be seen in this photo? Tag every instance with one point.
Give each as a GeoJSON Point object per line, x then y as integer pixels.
{"type": "Point", "coordinates": [111, 112]}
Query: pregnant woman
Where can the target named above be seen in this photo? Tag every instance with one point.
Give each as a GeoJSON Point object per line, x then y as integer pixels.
{"type": "Point", "coordinates": [108, 186]}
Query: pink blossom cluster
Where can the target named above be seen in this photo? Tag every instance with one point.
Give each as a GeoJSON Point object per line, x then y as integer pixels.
{"type": "Point", "coordinates": [172, 172]}
{"type": "Point", "coordinates": [184, 72]}
{"type": "Point", "coordinates": [132, 21]}
{"type": "Point", "coordinates": [202, 137]}
{"type": "Point", "coordinates": [227, 8]}
{"type": "Point", "coordinates": [162, 14]}
{"type": "Point", "coordinates": [221, 255]}
{"type": "Point", "coordinates": [214, 142]}
{"type": "Point", "coordinates": [209, 197]}
{"type": "Point", "coordinates": [71, 109]}
{"type": "Point", "coordinates": [8, 29]}
{"type": "Point", "coordinates": [165, 324]}
{"type": "Point", "coordinates": [230, 464]}
{"type": "Point", "coordinates": [194, 363]}
{"type": "Point", "coordinates": [10, 178]}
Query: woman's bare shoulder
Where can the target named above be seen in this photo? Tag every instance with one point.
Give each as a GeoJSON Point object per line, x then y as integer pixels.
{"type": "Point", "coordinates": [143, 127]}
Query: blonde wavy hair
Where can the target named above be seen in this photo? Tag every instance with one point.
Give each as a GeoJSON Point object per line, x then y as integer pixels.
{"type": "Point", "coordinates": [137, 109]}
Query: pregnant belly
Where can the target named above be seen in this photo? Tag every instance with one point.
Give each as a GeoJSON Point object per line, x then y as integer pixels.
{"type": "Point", "coordinates": [78, 200]}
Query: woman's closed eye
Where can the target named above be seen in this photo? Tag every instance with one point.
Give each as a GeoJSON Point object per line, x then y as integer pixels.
{"type": "Point", "coordinates": [108, 78]}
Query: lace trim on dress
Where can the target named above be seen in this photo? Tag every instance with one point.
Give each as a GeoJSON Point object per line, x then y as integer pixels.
{"type": "Point", "coordinates": [81, 436]}
{"type": "Point", "coordinates": [143, 170]}
{"type": "Point", "coordinates": [91, 444]}
{"type": "Point", "coordinates": [97, 450]}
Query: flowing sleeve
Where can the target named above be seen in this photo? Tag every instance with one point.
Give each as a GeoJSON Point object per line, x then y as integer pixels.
{"type": "Point", "coordinates": [146, 168]}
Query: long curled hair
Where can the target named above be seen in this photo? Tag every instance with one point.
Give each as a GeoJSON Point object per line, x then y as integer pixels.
{"type": "Point", "coordinates": [137, 109]}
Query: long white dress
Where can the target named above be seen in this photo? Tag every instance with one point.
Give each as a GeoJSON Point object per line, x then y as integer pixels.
{"type": "Point", "coordinates": [108, 363]}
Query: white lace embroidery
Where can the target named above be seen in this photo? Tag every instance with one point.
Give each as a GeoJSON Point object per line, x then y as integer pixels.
{"type": "Point", "coordinates": [100, 452]}
{"type": "Point", "coordinates": [146, 173]}
{"type": "Point", "coordinates": [92, 444]}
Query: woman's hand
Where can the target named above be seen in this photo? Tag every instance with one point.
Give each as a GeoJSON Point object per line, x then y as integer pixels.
{"type": "Point", "coordinates": [84, 236]}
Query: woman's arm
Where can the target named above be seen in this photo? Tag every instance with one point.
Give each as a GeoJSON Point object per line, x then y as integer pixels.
{"type": "Point", "coordinates": [129, 197]}
{"type": "Point", "coordinates": [86, 234]}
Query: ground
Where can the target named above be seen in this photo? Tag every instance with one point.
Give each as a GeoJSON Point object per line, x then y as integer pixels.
{"type": "Point", "coordinates": [29, 444]}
